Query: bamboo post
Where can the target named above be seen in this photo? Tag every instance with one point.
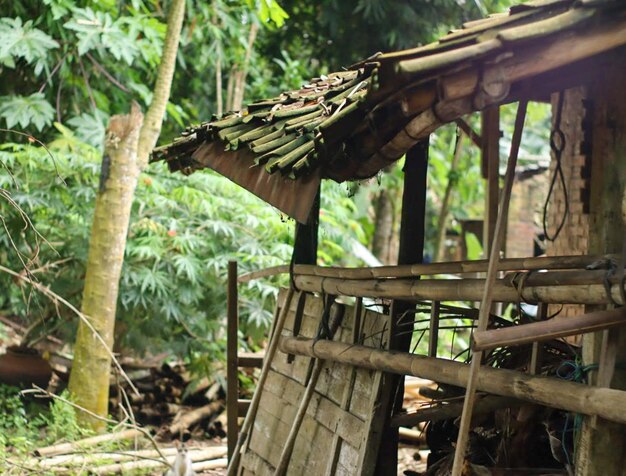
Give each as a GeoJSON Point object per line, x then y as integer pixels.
{"type": "Point", "coordinates": [550, 329]}
{"type": "Point", "coordinates": [607, 403]}
{"type": "Point", "coordinates": [433, 336]}
{"type": "Point", "coordinates": [232, 381]}
{"type": "Point", "coordinates": [246, 429]}
{"type": "Point", "coordinates": [485, 307]}
{"type": "Point", "coordinates": [536, 353]}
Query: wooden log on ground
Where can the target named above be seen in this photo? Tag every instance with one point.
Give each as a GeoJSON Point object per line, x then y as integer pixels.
{"type": "Point", "coordinates": [185, 420]}
{"type": "Point", "coordinates": [552, 392]}
{"type": "Point", "coordinates": [462, 289]}
{"type": "Point", "coordinates": [88, 442]}
{"type": "Point", "coordinates": [483, 405]}
{"type": "Point", "coordinates": [550, 329]}
{"type": "Point", "coordinates": [196, 456]}
{"type": "Point", "coordinates": [210, 464]}
{"type": "Point", "coordinates": [94, 457]}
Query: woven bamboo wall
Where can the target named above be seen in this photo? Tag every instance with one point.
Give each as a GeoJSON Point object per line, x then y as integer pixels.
{"type": "Point", "coordinates": [340, 432]}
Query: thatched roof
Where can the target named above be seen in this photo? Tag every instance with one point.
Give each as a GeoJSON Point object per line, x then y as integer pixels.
{"type": "Point", "coordinates": [351, 124]}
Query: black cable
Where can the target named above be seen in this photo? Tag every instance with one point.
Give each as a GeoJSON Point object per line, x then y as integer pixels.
{"type": "Point", "coordinates": [557, 145]}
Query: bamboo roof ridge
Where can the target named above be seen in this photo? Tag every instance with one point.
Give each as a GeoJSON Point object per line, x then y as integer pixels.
{"type": "Point", "coordinates": [349, 125]}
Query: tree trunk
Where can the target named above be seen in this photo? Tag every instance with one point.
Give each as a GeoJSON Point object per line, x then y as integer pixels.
{"type": "Point", "coordinates": [154, 117]}
{"type": "Point", "coordinates": [240, 81]}
{"type": "Point", "coordinates": [383, 228]}
{"type": "Point", "coordinates": [129, 142]}
{"type": "Point", "coordinates": [89, 379]}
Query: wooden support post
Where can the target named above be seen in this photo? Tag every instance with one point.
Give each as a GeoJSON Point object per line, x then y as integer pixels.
{"type": "Point", "coordinates": [305, 242]}
{"type": "Point", "coordinates": [601, 446]}
{"type": "Point", "coordinates": [232, 341]}
{"type": "Point", "coordinates": [490, 135]}
{"type": "Point", "coordinates": [411, 251]}
{"type": "Point", "coordinates": [485, 305]}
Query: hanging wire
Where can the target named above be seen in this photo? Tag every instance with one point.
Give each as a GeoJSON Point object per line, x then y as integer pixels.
{"type": "Point", "coordinates": [557, 145]}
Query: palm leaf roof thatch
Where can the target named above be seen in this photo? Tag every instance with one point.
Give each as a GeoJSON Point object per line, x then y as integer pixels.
{"type": "Point", "coordinates": [349, 125]}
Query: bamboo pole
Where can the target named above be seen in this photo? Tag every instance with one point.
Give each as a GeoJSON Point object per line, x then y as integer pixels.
{"type": "Point", "coordinates": [487, 299]}
{"type": "Point", "coordinates": [550, 329]}
{"type": "Point", "coordinates": [431, 269]}
{"type": "Point", "coordinates": [246, 428]}
{"type": "Point", "coordinates": [460, 290]}
{"type": "Point", "coordinates": [574, 397]}
{"type": "Point", "coordinates": [285, 456]}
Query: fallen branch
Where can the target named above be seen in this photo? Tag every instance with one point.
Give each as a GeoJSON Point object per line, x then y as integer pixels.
{"type": "Point", "coordinates": [86, 442]}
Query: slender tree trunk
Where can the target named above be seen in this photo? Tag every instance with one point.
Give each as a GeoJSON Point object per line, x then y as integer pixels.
{"type": "Point", "coordinates": [240, 82]}
{"type": "Point", "coordinates": [383, 228]}
{"type": "Point", "coordinates": [129, 142]}
{"type": "Point", "coordinates": [445, 204]}
{"type": "Point", "coordinates": [218, 85]}
{"type": "Point", "coordinates": [230, 86]}
{"type": "Point", "coordinates": [89, 379]}
{"type": "Point", "coordinates": [218, 68]}
{"type": "Point", "coordinates": [154, 117]}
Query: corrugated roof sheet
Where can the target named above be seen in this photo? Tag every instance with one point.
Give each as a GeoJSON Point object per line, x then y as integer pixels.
{"type": "Point", "coordinates": [351, 124]}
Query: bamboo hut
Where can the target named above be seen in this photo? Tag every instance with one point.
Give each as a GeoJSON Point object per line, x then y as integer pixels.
{"type": "Point", "coordinates": [312, 398]}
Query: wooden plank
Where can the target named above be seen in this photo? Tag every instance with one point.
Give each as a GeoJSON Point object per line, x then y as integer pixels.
{"type": "Point", "coordinates": [232, 346]}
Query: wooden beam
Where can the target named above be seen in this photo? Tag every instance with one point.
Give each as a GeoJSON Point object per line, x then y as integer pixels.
{"type": "Point", "coordinates": [305, 242]}
{"type": "Point", "coordinates": [411, 251]}
{"type": "Point", "coordinates": [490, 159]}
{"type": "Point", "coordinates": [549, 391]}
{"type": "Point", "coordinates": [550, 329]}
{"type": "Point", "coordinates": [232, 345]}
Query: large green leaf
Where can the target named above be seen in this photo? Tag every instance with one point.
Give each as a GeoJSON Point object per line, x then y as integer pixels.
{"type": "Point", "coordinates": [26, 111]}
{"type": "Point", "coordinates": [22, 40]}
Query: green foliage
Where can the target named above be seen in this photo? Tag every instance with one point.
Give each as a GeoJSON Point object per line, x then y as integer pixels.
{"type": "Point", "coordinates": [61, 422]}
{"type": "Point", "coordinates": [26, 110]}
{"type": "Point", "coordinates": [22, 40]}
{"type": "Point", "coordinates": [184, 231]}
{"type": "Point", "coordinates": [97, 29]}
